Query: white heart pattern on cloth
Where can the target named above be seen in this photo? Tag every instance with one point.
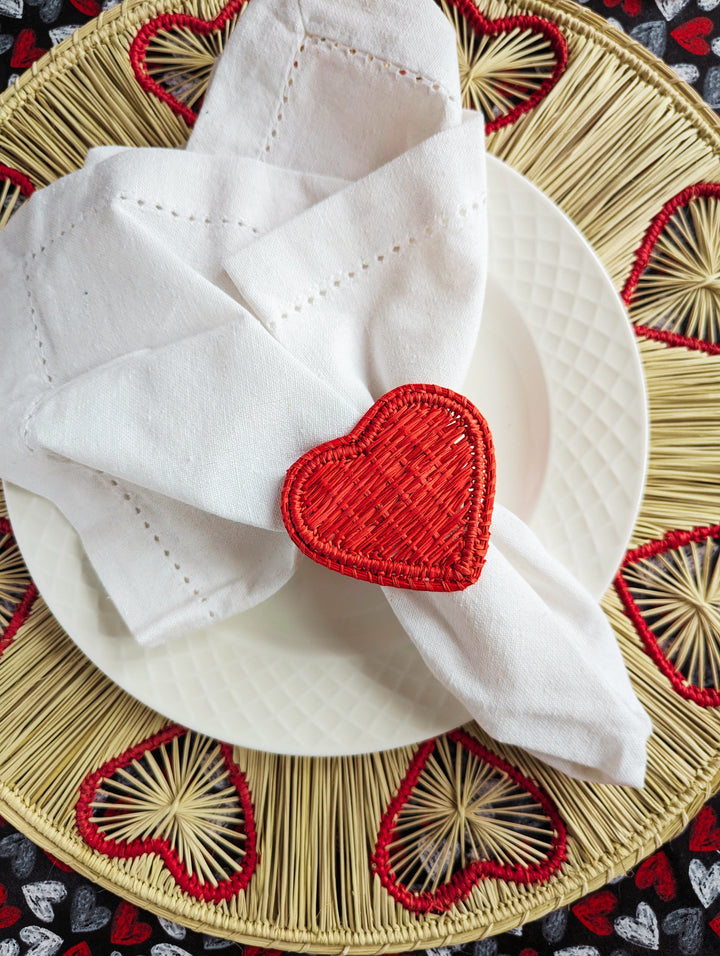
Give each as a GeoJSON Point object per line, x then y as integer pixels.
{"type": "Point", "coordinates": [578, 951]}
{"type": "Point", "coordinates": [706, 883]}
{"type": "Point", "coordinates": [172, 929]}
{"type": "Point", "coordinates": [688, 925]}
{"type": "Point", "coordinates": [85, 916]}
{"type": "Point", "coordinates": [671, 8]}
{"type": "Point", "coordinates": [42, 941]}
{"type": "Point", "coordinates": [642, 929]}
{"type": "Point", "coordinates": [9, 947]}
{"type": "Point", "coordinates": [21, 852]}
{"type": "Point", "coordinates": [41, 896]}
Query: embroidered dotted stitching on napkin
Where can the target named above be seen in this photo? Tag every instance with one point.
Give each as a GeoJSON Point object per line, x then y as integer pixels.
{"type": "Point", "coordinates": [38, 338]}
{"type": "Point", "coordinates": [388, 255]}
{"type": "Point", "coordinates": [147, 205]}
{"type": "Point", "coordinates": [361, 58]}
{"type": "Point", "coordinates": [68, 228]}
{"type": "Point", "coordinates": [156, 538]}
{"type": "Point", "coordinates": [280, 108]}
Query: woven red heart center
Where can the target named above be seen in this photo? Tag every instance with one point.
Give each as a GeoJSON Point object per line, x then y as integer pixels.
{"type": "Point", "coordinates": [181, 797]}
{"type": "Point", "coordinates": [507, 66]}
{"type": "Point", "coordinates": [460, 815]}
{"type": "Point", "coordinates": [673, 291]}
{"type": "Point", "coordinates": [405, 499]}
{"type": "Point", "coordinates": [172, 56]}
{"type": "Point", "coordinates": [670, 588]}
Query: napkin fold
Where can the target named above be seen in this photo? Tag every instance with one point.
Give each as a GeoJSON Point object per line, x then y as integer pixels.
{"type": "Point", "coordinates": [282, 301]}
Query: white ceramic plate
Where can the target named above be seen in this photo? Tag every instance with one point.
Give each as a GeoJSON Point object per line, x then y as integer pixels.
{"type": "Point", "coordinates": [323, 667]}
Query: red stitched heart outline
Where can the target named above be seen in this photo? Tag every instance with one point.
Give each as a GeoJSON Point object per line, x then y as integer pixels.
{"type": "Point", "coordinates": [405, 500]}
{"type": "Point", "coordinates": [642, 261]}
{"type": "Point", "coordinates": [703, 696]}
{"type": "Point", "coordinates": [481, 24]}
{"type": "Point", "coordinates": [461, 884]}
{"type": "Point", "coordinates": [94, 837]}
{"type": "Point", "coordinates": [167, 22]}
{"type": "Point", "coordinates": [24, 605]}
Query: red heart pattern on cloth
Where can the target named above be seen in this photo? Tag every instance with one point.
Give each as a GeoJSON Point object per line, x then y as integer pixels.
{"type": "Point", "coordinates": [126, 928]}
{"type": "Point", "coordinates": [657, 872]}
{"type": "Point", "coordinates": [455, 785]}
{"type": "Point", "coordinates": [593, 912]}
{"type": "Point", "coordinates": [691, 35]}
{"type": "Point", "coordinates": [148, 787]}
{"type": "Point", "coordinates": [662, 565]}
{"type": "Point", "coordinates": [520, 95]}
{"type": "Point", "coordinates": [644, 260]}
{"type": "Point", "coordinates": [79, 949]}
{"type": "Point", "coordinates": [91, 8]}
{"type": "Point", "coordinates": [405, 500]}
{"type": "Point", "coordinates": [25, 51]}
{"type": "Point", "coordinates": [167, 23]}
{"type": "Point", "coordinates": [705, 832]}
{"type": "Point", "coordinates": [21, 591]}
{"type": "Point", "coordinates": [8, 914]}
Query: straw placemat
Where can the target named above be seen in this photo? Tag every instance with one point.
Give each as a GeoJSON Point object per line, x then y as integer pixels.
{"type": "Point", "coordinates": [460, 837]}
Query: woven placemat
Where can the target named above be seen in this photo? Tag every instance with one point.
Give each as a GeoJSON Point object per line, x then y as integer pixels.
{"type": "Point", "coordinates": [460, 837]}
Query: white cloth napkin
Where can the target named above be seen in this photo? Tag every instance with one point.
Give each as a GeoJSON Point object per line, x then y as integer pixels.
{"type": "Point", "coordinates": [185, 325]}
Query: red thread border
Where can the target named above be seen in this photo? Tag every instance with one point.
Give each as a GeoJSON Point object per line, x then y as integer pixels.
{"type": "Point", "coordinates": [24, 607]}
{"type": "Point", "coordinates": [535, 24]}
{"type": "Point", "coordinates": [642, 261]}
{"type": "Point", "coordinates": [226, 889]}
{"type": "Point", "coordinates": [167, 22]}
{"type": "Point", "coordinates": [462, 883]}
{"type": "Point", "coordinates": [703, 696]}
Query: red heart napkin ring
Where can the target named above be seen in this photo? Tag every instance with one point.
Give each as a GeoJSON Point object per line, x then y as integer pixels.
{"type": "Point", "coordinates": [405, 499]}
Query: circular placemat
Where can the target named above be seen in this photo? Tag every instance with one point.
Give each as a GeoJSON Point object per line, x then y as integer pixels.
{"type": "Point", "coordinates": [458, 837]}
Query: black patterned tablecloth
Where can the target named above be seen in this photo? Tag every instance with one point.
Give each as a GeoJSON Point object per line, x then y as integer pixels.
{"type": "Point", "coordinates": [669, 905]}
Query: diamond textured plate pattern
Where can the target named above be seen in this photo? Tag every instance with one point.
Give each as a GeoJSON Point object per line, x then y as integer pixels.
{"type": "Point", "coordinates": [323, 667]}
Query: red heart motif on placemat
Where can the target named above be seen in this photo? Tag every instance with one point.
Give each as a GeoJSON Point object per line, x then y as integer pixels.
{"type": "Point", "coordinates": [704, 832]}
{"type": "Point", "coordinates": [20, 601]}
{"type": "Point", "coordinates": [405, 499]}
{"type": "Point", "coordinates": [126, 929]}
{"type": "Point", "coordinates": [714, 925]}
{"type": "Point", "coordinates": [24, 52]}
{"type": "Point", "coordinates": [694, 284]}
{"type": "Point", "coordinates": [411, 859]}
{"type": "Point", "coordinates": [594, 910]}
{"type": "Point", "coordinates": [656, 871]}
{"type": "Point", "coordinates": [639, 571]}
{"type": "Point", "coordinates": [128, 808]}
{"type": "Point", "coordinates": [525, 94]}
{"type": "Point", "coordinates": [691, 35]}
{"type": "Point", "coordinates": [165, 23]}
